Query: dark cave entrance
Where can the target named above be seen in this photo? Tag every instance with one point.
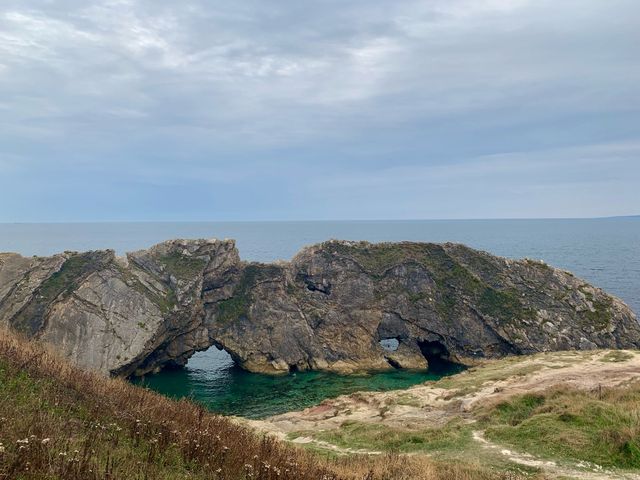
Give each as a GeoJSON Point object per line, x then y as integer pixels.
{"type": "Point", "coordinates": [437, 356]}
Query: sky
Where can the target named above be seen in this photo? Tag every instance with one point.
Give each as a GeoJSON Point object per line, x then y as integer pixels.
{"type": "Point", "coordinates": [157, 110]}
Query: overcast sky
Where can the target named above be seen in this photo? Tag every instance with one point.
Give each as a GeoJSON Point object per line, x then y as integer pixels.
{"type": "Point", "coordinates": [334, 109]}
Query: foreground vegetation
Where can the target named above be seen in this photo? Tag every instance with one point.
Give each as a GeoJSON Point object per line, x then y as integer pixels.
{"type": "Point", "coordinates": [560, 414]}
{"type": "Point", "coordinates": [601, 427]}
{"type": "Point", "coordinates": [59, 422]}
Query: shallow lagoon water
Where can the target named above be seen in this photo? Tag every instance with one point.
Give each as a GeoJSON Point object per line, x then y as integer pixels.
{"type": "Point", "coordinates": [212, 379]}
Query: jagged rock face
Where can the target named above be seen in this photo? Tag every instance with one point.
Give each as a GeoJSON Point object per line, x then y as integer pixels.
{"type": "Point", "coordinates": [327, 309]}
{"type": "Point", "coordinates": [119, 315]}
{"type": "Point", "coordinates": [330, 307]}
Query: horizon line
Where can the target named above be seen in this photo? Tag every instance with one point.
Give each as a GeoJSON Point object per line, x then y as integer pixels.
{"type": "Point", "coordinates": [320, 220]}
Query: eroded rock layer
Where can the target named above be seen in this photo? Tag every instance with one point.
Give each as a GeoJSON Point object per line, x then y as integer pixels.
{"type": "Point", "coordinates": [339, 306]}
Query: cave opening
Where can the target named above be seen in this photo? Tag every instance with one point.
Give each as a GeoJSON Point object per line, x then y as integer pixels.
{"type": "Point", "coordinates": [437, 355]}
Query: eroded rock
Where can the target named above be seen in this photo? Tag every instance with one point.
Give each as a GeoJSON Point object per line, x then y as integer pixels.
{"type": "Point", "coordinates": [326, 309]}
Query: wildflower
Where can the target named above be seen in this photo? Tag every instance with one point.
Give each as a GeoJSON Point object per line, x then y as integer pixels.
{"type": "Point", "coordinates": [44, 441]}
{"type": "Point", "coordinates": [24, 441]}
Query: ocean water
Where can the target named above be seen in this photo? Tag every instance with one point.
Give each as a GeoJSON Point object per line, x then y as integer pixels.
{"type": "Point", "coordinates": [605, 252]}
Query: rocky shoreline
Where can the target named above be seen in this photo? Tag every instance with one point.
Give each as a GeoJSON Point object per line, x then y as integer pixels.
{"type": "Point", "coordinates": [337, 306]}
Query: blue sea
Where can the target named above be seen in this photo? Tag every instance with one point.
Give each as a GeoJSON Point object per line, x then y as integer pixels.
{"type": "Point", "coordinates": [605, 252]}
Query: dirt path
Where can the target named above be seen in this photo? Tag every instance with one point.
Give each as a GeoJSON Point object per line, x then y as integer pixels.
{"type": "Point", "coordinates": [582, 470]}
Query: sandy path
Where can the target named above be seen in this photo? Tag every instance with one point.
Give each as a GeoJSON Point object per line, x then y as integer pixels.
{"type": "Point", "coordinates": [582, 470]}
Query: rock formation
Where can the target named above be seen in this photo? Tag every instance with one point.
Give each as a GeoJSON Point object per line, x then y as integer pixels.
{"type": "Point", "coordinates": [338, 306]}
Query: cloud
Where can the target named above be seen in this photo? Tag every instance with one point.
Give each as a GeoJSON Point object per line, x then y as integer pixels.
{"type": "Point", "coordinates": [382, 92]}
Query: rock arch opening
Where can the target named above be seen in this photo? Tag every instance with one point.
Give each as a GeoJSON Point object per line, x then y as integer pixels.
{"type": "Point", "coordinates": [390, 344]}
{"type": "Point", "coordinates": [437, 355]}
{"type": "Point", "coordinates": [213, 359]}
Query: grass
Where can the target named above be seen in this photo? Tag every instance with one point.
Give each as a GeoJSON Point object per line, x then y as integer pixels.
{"type": "Point", "coordinates": [503, 304]}
{"type": "Point", "coordinates": [601, 426]}
{"type": "Point", "coordinates": [455, 436]}
{"type": "Point", "coordinates": [182, 266]}
{"type": "Point", "coordinates": [60, 422]}
{"type": "Point", "coordinates": [563, 424]}
{"type": "Point", "coordinates": [616, 356]}
{"type": "Point", "coordinates": [601, 316]}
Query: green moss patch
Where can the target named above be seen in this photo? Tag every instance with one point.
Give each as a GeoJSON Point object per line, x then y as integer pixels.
{"type": "Point", "coordinates": [71, 274]}
{"type": "Point", "coordinates": [182, 266]}
{"type": "Point", "coordinates": [238, 305]}
{"type": "Point", "coordinates": [452, 278]}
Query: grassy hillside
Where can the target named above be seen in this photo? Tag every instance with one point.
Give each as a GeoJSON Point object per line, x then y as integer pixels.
{"type": "Point", "coordinates": [59, 422]}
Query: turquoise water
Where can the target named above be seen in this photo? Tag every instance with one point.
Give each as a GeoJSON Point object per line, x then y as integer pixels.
{"type": "Point", "coordinates": [212, 379]}
{"type": "Point", "coordinates": [605, 252]}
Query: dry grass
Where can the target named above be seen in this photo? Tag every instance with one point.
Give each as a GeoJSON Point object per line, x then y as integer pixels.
{"type": "Point", "coordinates": [60, 422]}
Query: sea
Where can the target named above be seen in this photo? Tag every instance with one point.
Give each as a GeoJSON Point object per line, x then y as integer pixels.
{"type": "Point", "coordinates": [604, 252]}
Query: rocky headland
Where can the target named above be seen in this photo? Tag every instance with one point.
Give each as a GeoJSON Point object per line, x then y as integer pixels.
{"type": "Point", "coordinates": [337, 306]}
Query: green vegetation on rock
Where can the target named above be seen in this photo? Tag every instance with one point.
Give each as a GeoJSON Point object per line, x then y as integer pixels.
{"type": "Point", "coordinates": [452, 279]}
{"type": "Point", "coordinates": [238, 305]}
{"type": "Point", "coordinates": [182, 266]}
{"type": "Point", "coordinates": [601, 315]}
{"type": "Point", "coordinates": [503, 304]}
{"type": "Point", "coordinates": [61, 283]}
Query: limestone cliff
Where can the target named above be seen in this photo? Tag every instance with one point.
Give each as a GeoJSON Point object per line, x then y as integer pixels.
{"type": "Point", "coordinates": [329, 308]}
